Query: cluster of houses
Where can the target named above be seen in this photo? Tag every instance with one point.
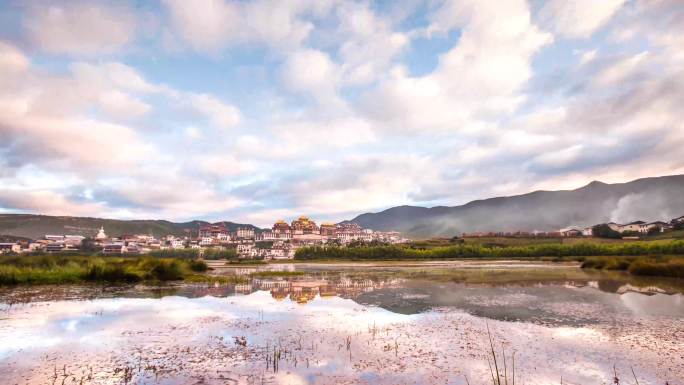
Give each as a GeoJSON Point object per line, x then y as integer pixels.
{"type": "Point", "coordinates": [281, 241]}
{"type": "Point", "coordinates": [278, 242]}
{"type": "Point", "coordinates": [631, 229]}
{"type": "Point", "coordinates": [635, 228]}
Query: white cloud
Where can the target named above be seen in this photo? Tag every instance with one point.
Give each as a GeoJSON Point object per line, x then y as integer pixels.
{"type": "Point", "coordinates": [369, 43]}
{"type": "Point", "coordinates": [112, 74]}
{"type": "Point", "coordinates": [483, 75]}
{"type": "Point", "coordinates": [220, 114]}
{"type": "Point", "coordinates": [577, 18]}
{"type": "Point", "coordinates": [12, 60]}
{"type": "Point", "coordinates": [588, 56]}
{"type": "Point", "coordinates": [209, 26]}
{"type": "Point", "coordinates": [312, 72]}
{"type": "Point", "coordinates": [46, 202]}
{"type": "Point", "coordinates": [346, 126]}
{"type": "Point", "coordinates": [80, 28]}
{"type": "Point", "coordinates": [119, 104]}
{"type": "Point", "coordinates": [621, 69]}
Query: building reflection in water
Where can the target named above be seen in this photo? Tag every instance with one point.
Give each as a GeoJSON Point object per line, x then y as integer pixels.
{"type": "Point", "coordinates": [303, 291]}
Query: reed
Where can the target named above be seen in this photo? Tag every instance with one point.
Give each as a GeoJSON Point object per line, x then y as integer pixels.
{"type": "Point", "coordinates": [59, 269]}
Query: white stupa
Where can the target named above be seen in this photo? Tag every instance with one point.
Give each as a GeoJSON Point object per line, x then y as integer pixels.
{"type": "Point", "coordinates": [101, 234]}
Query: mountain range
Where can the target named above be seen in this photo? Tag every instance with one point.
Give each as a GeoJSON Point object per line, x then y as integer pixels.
{"type": "Point", "coordinates": [36, 226]}
{"type": "Point", "coordinates": [648, 199]}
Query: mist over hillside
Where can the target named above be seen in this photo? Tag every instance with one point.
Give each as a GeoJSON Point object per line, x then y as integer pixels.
{"type": "Point", "coordinates": [647, 199]}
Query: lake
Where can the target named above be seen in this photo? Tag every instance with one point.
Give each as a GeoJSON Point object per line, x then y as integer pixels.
{"type": "Point", "coordinates": [384, 323]}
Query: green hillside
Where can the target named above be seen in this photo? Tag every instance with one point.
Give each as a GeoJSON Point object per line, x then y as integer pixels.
{"type": "Point", "coordinates": [36, 226]}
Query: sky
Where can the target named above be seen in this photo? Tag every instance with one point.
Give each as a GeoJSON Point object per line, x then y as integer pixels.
{"type": "Point", "coordinates": [253, 111]}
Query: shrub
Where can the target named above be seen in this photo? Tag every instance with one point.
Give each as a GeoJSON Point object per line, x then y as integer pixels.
{"type": "Point", "coordinates": [220, 254]}
{"type": "Point", "coordinates": [100, 271]}
{"type": "Point", "coordinates": [198, 266]}
{"type": "Point", "coordinates": [672, 268]}
{"type": "Point", "coordinates": [164, 269]}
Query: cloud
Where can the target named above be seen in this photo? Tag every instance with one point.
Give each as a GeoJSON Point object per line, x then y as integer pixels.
{"type": "Point", "coordinates": [209, 26]}
{"type": "Point", "coordinates": [312, 72]}
{"type": "Point", "coordinates": [45, 202]}
{"type": "Point", "coordinates": [483, 75]}
{"type": "Point", "coordinates": [588, 56]}
{"type": "Point", "coordinates": [220, 114]}
{"type": "Point", "coordinates": [12, 60]}
{"type": "Point", "coordinates": [577, 18]}
{"type": "Point", "coordinates": [80, 28]}
{"type": "Point", "coordinates": [338, 121]}
{"type": "Point", "coordinates": [369, 45]}
{"type": "Point", "coordinates": [116, 103]}
{"type": "Point", "coordinates": [112, 74]}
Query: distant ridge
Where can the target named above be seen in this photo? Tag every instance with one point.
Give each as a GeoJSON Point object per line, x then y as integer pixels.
{"type": "Point", "coordinates": [36, 226]}
{"type": "Point", "coordinates": [648, 199]}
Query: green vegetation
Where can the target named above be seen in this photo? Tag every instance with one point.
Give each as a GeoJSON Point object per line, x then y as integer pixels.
{"type": "Point", "coordinates": [639, 258]}
{"type": "Point", "coordinates": [263, 274]}
{"type": "Point", "coordinates": [248, 262]}
{"type": "Point", "coordinates": [195, 253]}
{"type": "Point", "coordinates": [220, 254]}
{"type": "Point", "coordinates": [661, 266]}
{"type": "Point", "coordinates": [175, 253]}
{"type": "Point", "coordinates": [479, 251]}
{"type": "Point", "coordinates": [55, 269]}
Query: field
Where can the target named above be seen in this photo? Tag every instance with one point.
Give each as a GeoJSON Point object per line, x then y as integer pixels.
{"type": "Point", "coordinates": [651, 254]}
{"type": "Point", "coordinates": [56, 269]}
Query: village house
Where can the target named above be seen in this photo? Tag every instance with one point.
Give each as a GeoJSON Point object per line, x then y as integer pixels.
{"type": "Point", "coordinates": [113, 248]}
{"type": "Point", "coordinates": [570, 233]}
{"type": "Point", "coordinates": [647, 227]}
{"type": "Point", "coordinates": [9, 247]}
{"type": "Point", "coordinates": [632, 226]}
{"type": "Point", "coordinates": [245, 233]}
{"type": "Point", "coordinates": [247, 250]}
{"type": "Point", "coordinates": [216, 233]}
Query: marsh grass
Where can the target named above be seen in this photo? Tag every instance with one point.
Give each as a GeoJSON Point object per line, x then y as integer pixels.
{"type": "Point", "coordinates": [248, 262]}
{"type": "Point", "coordinates": [263, 274]}
{"type": "Point", "coordinates": [58, 269]}
{"type": "Point", "coordinates": [465, 251]}
{"type": "Point", "coordinates": [660, 266]}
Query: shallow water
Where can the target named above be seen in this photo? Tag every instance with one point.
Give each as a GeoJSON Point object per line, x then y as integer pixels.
{"type": "Point", "coordinates": [424, 324]}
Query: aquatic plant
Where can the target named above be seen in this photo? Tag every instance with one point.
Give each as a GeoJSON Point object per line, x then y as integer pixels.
{"type": "Point", "coordinates": [672, 266]}
{"type": "Point", "coordinates": [56, 269]}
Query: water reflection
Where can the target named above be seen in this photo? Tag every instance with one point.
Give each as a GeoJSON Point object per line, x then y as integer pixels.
{"type": "Point", "coordinates": [380, 327]}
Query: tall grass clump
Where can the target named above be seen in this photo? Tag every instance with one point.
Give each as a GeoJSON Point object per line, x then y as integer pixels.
{"type": "Point", "coordinates": [662, 266]}
{"type": "Point", "coordinates": [100, 271]}
{"type": "Point", "coordinates": [671, 268]}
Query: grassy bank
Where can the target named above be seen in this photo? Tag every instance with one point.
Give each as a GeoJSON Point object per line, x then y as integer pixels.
{"type": "Point", "coordinates": [637, 258]}
{"type": "Point", "coordinates": [53, 269]}
{"type": "Point", "coordinates": [661, 266]}
{"type": "Point", "coordinates": [494, 252]}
